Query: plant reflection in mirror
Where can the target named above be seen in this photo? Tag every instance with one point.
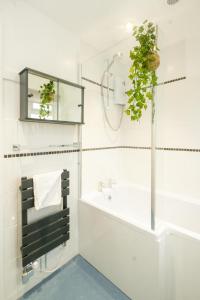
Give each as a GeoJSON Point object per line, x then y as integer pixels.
{"type": "Point", "coordinates": [47, 96]}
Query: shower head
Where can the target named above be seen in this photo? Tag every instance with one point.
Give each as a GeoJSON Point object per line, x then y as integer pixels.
{"type": "Point", "coordinates": [172, 2]}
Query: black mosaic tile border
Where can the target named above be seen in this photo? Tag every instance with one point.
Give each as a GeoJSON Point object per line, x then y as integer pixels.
{"type": "Point", "coordinates": [163, 148]}
{"type": "Point", "coordinates": [178, 149]}
{"type": "Point", "coordinates": [136, 147]}
{"type": "Point", "coordinates": [96, 83]}
{"type": "Point", "coordinates": [159, 84]}
{"type": "Point", "coordinates": [39, 153]}
{"type": "Point", "coordinates": [17, 155]}
{"type": "Point", "coordinates": [101, 148]}
{"type": "Point", "coordinates": [172, 80]}
{"type": "Point", "coordinates": [143, 148]}
{"type": "Point", "coordinates": [117, 147]}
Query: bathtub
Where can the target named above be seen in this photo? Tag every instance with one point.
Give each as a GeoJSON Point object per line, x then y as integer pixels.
{"type": "Point", "coordinates": [115, 237]}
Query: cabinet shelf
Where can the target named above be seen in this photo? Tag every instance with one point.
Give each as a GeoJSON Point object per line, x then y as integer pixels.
{"type": "Point", "coordinates": [66, 106]}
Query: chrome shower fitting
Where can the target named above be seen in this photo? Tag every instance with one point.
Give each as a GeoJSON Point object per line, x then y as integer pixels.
{"type": "Point", "coordinates": [116, 57]}
{"type": "Point", "coordinates": [172, 2]}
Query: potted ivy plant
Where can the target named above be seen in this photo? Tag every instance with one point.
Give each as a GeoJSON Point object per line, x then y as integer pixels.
{"type": "Point", "coordinates": [47, 96]}
{"type": "Point", "coordinates": [145, 61]}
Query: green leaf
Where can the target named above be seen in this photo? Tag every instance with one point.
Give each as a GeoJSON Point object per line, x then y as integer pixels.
{"type": "Point", "coordinates": [47, 92]}
{"type": "Point", "coordinates": [140, 104]}
{"type": "Point", "coordinates": [130, 100]}
{"type": "Point", "coordinates": [139, 74]}
{"type": "Point", "coordinates": [149, 95]}
{"type": "Point", "coordinates": [133, 118]}
{"type": "Point", "coordinates": [129, 93]}
{"type": "Point", "coordinates": [141, 29]}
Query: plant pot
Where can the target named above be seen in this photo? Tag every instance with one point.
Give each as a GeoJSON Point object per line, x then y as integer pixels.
{"type": "Point", "coordinates": [51, 97]}
{"type": "Point", "coordinates": [153, 61]}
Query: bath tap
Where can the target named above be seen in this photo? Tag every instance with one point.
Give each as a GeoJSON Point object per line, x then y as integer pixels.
{"type": "Point", "coordinates": [108, 184]}
{"type": "Point", "coordinates": [101, 185]}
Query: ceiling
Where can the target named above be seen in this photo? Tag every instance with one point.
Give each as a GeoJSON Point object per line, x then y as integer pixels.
{"type": "Point", "coordinates": [102, 23]}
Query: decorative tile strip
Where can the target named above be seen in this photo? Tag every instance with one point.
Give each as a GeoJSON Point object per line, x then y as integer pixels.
{"type": "Point", "coordinates": [96, 83]}
{"type": "Point", "coordinates": [178, 149]}
{"type": "Point", "coordinates": [39, 153]}
{"type": "Point", "coordinates": [16, 155]}
{"type": "Point", "coordinates": [136, 147]}
{"type": "Point", "coordinates": [172, 80]}
{"type": "Point", "coordinates": [101, 148]}
{"type": "Point", "coordinates": [159, 84]}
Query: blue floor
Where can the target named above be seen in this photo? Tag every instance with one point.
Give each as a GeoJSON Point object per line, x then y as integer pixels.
{"type": "Point", "coordinates": [78, 280]}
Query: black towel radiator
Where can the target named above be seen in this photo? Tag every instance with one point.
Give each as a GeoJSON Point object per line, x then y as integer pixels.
{"type": "Point", "coordinates": [44, 235]}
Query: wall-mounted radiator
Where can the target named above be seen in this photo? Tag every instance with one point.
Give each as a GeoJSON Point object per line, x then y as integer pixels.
{"type": "Point", "coordinates": [44, 235]}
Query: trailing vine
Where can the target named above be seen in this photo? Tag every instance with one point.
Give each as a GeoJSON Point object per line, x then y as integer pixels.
{"type": "Point", "coordinates": [47, 95]}
{"type": "Point", "coordinates": [142, 73]}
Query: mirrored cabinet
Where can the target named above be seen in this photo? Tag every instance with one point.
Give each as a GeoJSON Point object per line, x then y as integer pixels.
{"type": "Point", "coordinates": [45, 98]}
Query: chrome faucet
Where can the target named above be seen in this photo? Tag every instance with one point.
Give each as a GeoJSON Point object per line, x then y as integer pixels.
{"type": "Point", "coordinates": [107, 184]}
{"type": "Point", "coordinates": [111, 182]}
{"type": "Point", "coordinates": [101, 185]}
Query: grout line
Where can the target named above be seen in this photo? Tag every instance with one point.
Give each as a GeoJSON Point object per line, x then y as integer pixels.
{"type": "Point", "coordinates": [17, 155]}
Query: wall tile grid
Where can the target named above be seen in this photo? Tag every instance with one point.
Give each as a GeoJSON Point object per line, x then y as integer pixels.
{"type": "Point", "coordinates": [177, 119]}
{"type": "Point", "coordinates": [23, 44]}
{"type": "Point", "coordinates": [177, 145]}
{"type": "Point", "coordinates": [122, 155]}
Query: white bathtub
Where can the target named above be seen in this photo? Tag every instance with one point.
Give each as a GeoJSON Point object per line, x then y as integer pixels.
{"type": "Point", "coordinates": [115, 237]}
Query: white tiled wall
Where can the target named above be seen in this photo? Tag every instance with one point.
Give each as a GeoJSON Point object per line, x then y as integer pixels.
{"type": "Point", "coordinates": [177, 115]}
{"type": "Point", "coordinates": [177, 126]}
{"type": "Point", "coordinates": [118, 164]}
{"type": "Point", "coordinates": [95, 131]}
{"type": "Point", "coordinates": [98, 165]}
{"type": "Point", "coordinates": [1, 190]}
{"type": "Point", "coordinates": [178, 106]}
{"type": "Point", "coordinates": [30, 39]}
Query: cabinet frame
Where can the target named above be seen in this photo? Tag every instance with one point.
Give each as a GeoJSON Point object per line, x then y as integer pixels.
{"type": "Point", "coordinates": [24, 97]}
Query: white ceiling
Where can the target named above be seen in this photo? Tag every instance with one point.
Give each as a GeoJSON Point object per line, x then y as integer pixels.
{"type": "Point", "coordinates": [101, 23]}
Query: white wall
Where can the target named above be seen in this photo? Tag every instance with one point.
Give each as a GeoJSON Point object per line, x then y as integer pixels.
{"type": "Point", "coordinates": [118, 164]}
{"type": "Point", "coordinates": [1, 180]}
{"type": "Point", "coordinates": [98, 165]}
{"type": "Point", "coordinates": [177, 113]}
{"type": "Point", "coordinates": [30, 39]}
{"type": "Point", "coordinates": [177, 126]}
{"type": "Point", "coordinates": [178, 107]}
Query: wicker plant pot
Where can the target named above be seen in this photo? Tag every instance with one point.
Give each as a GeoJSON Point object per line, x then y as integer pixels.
{"type": "Point", "coordinates": [153, 61]}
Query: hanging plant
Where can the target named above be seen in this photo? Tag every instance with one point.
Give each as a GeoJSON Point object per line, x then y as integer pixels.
{"type": "Point", "coordinates": [47, 96]}
{"type": "Point", "coordinates": [145, 61]}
